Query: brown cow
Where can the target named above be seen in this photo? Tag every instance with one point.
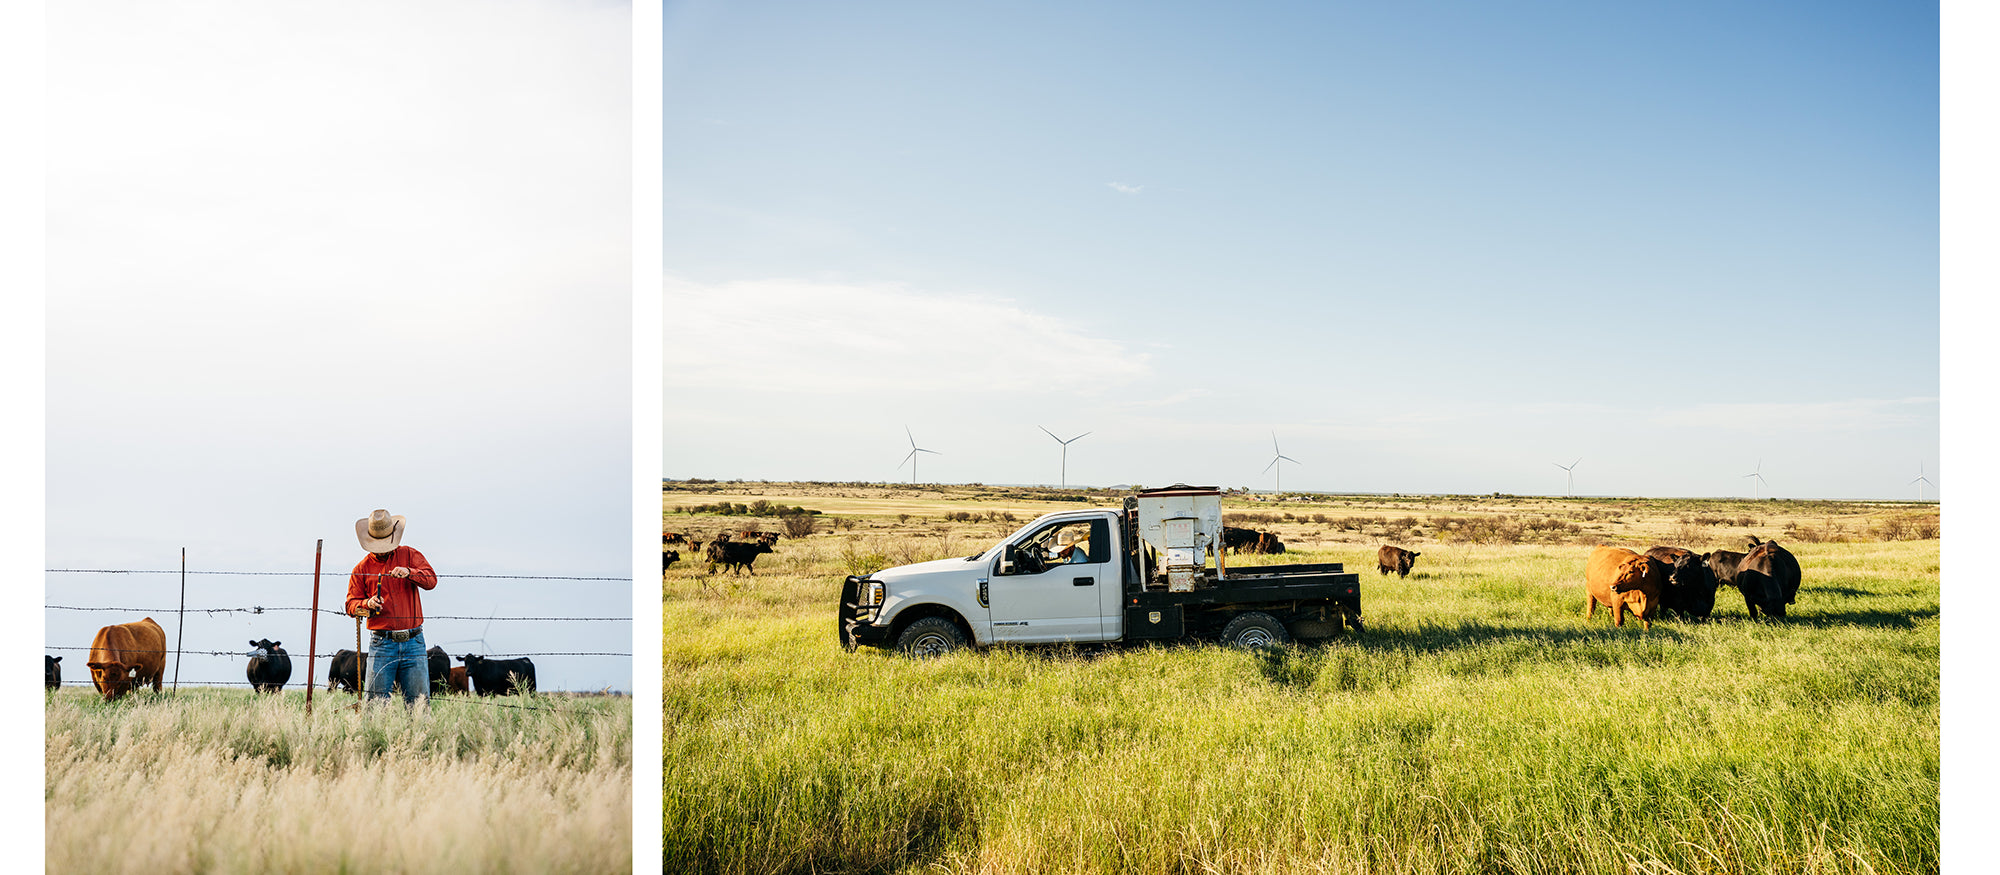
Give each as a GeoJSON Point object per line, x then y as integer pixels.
{"type": "Point", "coordinates": [126, 656]}
{"type": "Point", "coordinates": [457, 683]}
{"type": "Point", "coordinates": [1619, 578]}
{"type": "Point", "coordinates": [1395, 559]}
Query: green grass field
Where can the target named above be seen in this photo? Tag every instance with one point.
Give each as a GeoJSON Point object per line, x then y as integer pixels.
{"type": "Point", "coordinates": [226, 781]}
{"type": "Point", "coordinates": [1480, 725]}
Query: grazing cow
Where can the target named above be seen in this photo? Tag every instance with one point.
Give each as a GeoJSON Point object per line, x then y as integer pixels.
{"type": "Point", "coordinates": [672, 538]}
{"type": "Point", "coordinates": [1691, 584]}
{"type": "Point", "coordinates": [1267, 542]}
{"type": "Point", "coordinates": [1768, 576]}
{"type": "Point", "coordinates": [458, 679]}
{"type": "Point", "coordinates": [270, 667]}
{"type": "Point", "coordinates": [51, 671]}
{"type": "Point", "coordinates": [1784, 567]}
{"type": "Point", "coordinates": [770, 538]}
{"type": "Point", "coordinates": [1760, 590]}
{"type": "Point", "coordinates": [439, 665]}
{"type": "Point", "coordinates": [1619, 578]}
{"type": "Point", "coordinates": [1395, 559]}
{"type": "Point", "coordinates": [127, 656]}
{"type": "Point", "coordinates": [500, 677]}
{"type": "Point", "coordinates": [343, 671]}
{"type": "Point", "coordinates": [668, 558]}
{"type": "Point", "coordinates": [735, 555]}
{"type": "Point", "coordinates": [1240, 539]}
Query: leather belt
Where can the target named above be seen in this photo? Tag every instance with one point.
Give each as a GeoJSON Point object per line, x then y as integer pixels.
{"type": "Point", "coordinates": [400, 634]}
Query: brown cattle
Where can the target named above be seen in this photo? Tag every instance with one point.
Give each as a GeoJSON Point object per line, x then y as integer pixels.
{"type": "Point", "coordinates": [126, 656]}
{"type": "Point", "coordinates": [1395, 559]}
{"type": "Point", "coordinates": [672, 538]}
{"type": "Point", "coordinates": [1619, 578]}
{"type": "Point", "coordinates": [457, 683]}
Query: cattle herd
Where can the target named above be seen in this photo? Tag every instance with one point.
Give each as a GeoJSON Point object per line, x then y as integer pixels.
{"type": "Point", "coordinates": [1669, 580]}
{"type": "Point", "coordinates": [127, 656]}
{"type": "Point", "coordinates": [721, 552]}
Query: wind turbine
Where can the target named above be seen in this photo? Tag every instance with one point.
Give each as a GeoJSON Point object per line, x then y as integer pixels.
{"type": "Point", "coordinates": [1922, 479]}
{"type": "Point", "coordinates": [1759, 474]}
{"type": "Point", "coordinates": [1571, 467]}
{"type": "Point", "coordinates": [1065, 452]}
{"type": "Point", "coordinates": [1276, 457]}
{"type": "Point", "coordinates": [912, 457]}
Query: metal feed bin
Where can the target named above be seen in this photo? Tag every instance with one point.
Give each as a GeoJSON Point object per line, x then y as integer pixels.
{"type": "Point", "coordinates": [1184, 523]}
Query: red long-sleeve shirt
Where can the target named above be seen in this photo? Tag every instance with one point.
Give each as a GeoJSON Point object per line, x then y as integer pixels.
{"type": "Point", "coordinates": [402, 608]}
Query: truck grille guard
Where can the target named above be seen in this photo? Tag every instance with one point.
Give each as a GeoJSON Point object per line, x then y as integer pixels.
{"type": "Point", "coordinates": [852, 614]}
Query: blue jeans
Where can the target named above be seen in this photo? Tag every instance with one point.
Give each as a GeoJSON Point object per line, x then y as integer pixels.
{"type": "Point", "coordinates": [398, 663]}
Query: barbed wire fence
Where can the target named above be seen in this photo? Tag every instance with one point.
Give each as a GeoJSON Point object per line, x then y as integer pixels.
{"type": "Point", "coordinates": [339, 581]}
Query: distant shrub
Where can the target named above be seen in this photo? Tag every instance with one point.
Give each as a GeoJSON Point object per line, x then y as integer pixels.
{"type": "Point", "coordinates": [798, 525]}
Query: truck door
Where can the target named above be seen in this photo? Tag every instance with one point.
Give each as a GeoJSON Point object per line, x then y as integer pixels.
{"type": "Point", "coordinates": [1053, 592]}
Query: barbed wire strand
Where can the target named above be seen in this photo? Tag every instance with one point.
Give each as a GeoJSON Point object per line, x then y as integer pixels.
{"type": "Point", "coordinates": [260, 609]}
{"type": "Point", "coordinates": [336, 574]}
{"type": "Point", "coordinates": [246, 654]}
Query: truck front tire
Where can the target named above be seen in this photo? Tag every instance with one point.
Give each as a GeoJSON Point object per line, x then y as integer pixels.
{"type": "Point", "coordinates": [1252, 630]}
{"type": "Point", "coordinates": [930, 636]}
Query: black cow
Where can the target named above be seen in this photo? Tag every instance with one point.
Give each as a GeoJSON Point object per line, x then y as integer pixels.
{"type": "Point", "coordinates": [270, 667]}
{"type": "Point", "coordinates": [1773, 573]}
{"type": "Point", "coordinates": [440, 670]}
{"type": "Point", "coordinates": [668, 558]}
{"type": "Point", "coordinates": [1784, 566]}
{"type": "Point", "coordinates": [1760, 590]}
{"type": "Point", "coordinates": [735, 555]}
{"type": "Point", "coordinates": [1239, 540]}
{"type": "Point", "coordinates": [51, 671]}
{"type": "Point", "coordinates": [499, 677]}
{"type": "Point", "coordinates": [1395, 559]}
{"type": "Point", "coordinates": [1690, 589]}
{"type": "Point", "coordinates": [1267, 542]}
{"type": "Point", "coordinates": [341, 672]}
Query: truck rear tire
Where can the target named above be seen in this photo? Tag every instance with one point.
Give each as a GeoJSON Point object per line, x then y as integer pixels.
{"type": "Point", "coordinates": [1252, 630]}
{"type": "Point", "coordinates": [930, 636]}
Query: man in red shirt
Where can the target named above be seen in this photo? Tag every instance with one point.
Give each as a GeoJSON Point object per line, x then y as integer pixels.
{"type": "Point", "coordinates": [384, 588]}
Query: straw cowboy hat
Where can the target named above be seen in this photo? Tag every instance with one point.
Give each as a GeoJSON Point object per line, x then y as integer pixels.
{"type": "Point", "coordinates": [379, 532]}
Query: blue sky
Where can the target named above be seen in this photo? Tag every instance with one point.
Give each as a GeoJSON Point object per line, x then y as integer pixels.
{"type": "Point", "coordinates": [1433, 248]}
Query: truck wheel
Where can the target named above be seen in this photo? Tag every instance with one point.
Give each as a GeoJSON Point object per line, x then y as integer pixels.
{"type": "Point", "coordinates": [1254, 629]}
{"type": "Point", "coordinates": [930, 636]}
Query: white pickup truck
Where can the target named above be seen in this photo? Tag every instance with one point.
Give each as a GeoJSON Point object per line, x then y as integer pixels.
{"type": "Point", "coordinates": [1152, 570]}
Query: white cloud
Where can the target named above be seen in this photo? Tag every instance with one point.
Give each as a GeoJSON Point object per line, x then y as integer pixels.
{"type": "Point", "coordinates": [1122, 188]}
{"type": "Point", "coordinates": [859, 339]}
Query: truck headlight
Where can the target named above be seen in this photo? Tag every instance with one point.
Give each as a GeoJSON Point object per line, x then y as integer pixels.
{"type": "Point", "coordinates": [872, 594]}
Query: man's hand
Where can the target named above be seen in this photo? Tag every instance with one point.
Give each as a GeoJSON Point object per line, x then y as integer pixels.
{"type": "Point", "coordinates": [374, 603]}
{"type": "Point", "coordinates": [399, 572]}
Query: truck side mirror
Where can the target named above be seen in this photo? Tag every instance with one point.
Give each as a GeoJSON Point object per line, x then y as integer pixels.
{"type": "Point", "coordinates": [1007, 559]}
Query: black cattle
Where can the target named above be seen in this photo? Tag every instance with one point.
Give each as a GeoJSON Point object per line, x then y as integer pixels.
{"type": "Point", "coordinates": [340, 673]}
{"type": "Point", "coordinates": [1395, 559]}
{"type": "Point", "coordinates": [440, 670]}
{"type": "Point", "coordinates": [735, 555]}
{"type": "Point", "coordinates": [1267, 542]}
{"type": "Point", "coordinates": [499, 677]}
{"type": "Point", "coordinates": [1784, 566]}
{"type": "Point", "coordinates": [1239, 540]}
{"type": "Point", "coordinates": [1760, 590]}
{"type": "Point", "coordinates": [1690, 589]}
{"type": "Point", "coordinates": [51, 671]}
{"type": "Point", "coordinates": [668, 558]}
{"type": "Point", "coordinates": [1772, 573]}
{"type": "Point", "coordinates": [270, 667]}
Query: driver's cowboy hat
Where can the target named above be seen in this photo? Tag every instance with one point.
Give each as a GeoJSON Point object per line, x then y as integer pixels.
{"type": "Point", "coordinates": [379, 532]}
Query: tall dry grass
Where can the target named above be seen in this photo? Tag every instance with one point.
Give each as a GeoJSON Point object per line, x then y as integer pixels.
{"type": "Point", "coordinates": [224, 781]}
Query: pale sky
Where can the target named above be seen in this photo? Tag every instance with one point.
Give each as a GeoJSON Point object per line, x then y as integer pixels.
{"type": "Point", "coordinates": [1428, 248]}
{"type": "Point", "coordinates": [305, 261]}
